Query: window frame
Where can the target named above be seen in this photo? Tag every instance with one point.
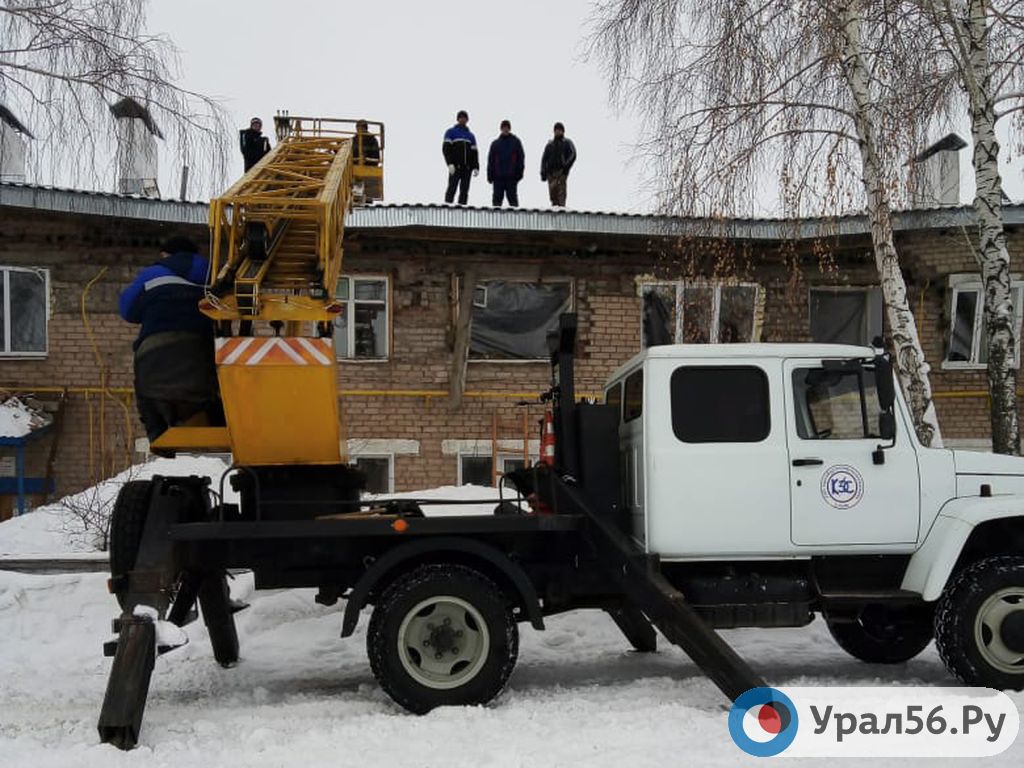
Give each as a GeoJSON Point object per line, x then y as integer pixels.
{"type": "Point", "coordinates": [716, 305]}
{"type": "Point", "coordinates": [864, 290]}
{"type": "Point", "coordinates": [350, 304]}
{"type": "Point", "coordinates": [390, 457]}
{"type": "Point", "coordinates": [6, 352]}
{"type": "Point", "coordinates": [503, 456]}
{"type": "Point", "coordinates": [972, 283]}
{"type": "Point", "coordinates": [570, 281]}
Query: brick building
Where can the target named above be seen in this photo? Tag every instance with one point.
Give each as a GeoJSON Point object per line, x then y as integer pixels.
{"type": "Point", "coordinates": [66, 254]}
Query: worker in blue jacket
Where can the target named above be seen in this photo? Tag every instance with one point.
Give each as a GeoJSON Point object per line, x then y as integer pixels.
{"type": "Point", "coordinates": [505, 164]}
{"type": "Point", "coordinates": [175, 371]}
{"type": "Point", "coordinates": [462, 157]}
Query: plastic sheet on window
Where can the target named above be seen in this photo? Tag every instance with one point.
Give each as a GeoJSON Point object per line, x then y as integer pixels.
{"type": "Point", "coordinates": [515, 319]}
{"type": "Point", "coordinates": [846, 317]}
{"type": "Point", "coordinates": [659, 315]}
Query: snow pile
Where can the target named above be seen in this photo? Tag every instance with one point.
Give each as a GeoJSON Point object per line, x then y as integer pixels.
{"type": "Point", "coordinates": [56, 529]}
{"type": "Point", "coordinates": [17, 419]}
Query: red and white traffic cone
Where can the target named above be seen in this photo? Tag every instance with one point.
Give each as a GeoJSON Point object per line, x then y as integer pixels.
{"type": "Point", "coordinates": [547, 440]}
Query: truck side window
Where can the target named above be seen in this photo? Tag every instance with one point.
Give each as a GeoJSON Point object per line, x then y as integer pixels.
{"type": "Point", "coordinates": [720, 404]}
{"type": "Point", "coordinates": [634, 395]}
{"type": "Point", "coordinates": [613, 397]}
{"type": "Point", "coordinates": [835, 405]}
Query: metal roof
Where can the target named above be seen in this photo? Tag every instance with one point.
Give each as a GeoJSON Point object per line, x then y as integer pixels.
{"type": "Point", "coordinates": [382, 217]}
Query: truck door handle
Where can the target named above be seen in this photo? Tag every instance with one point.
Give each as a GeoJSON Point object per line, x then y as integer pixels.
{"type": "Point", "coordinates": [807, 462]}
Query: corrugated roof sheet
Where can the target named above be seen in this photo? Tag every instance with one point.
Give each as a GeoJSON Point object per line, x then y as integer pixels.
{"type": "Point", "coordinates": [536, 220]}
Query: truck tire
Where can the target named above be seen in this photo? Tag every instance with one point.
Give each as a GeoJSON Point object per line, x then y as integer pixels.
{"type": "Point", "coordinates": [979, 623]}
{"type": "Point", "coordinates": [884, 635]}
{"type": "Point", "coordinates": [126, 523]}
{"type": "Point", "coordinates": [443, 634]}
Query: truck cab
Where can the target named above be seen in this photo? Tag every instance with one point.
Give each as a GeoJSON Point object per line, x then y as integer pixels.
{"type": "Point", "coordinates": [798, 466]}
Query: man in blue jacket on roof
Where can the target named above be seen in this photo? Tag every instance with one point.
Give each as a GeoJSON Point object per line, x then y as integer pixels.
{"type": "Point", "coordinates": [175, 371]}
{"type": "Point", "coordinates": [460, 153]}
{"type": "Point", "coordinates": [505, 164]}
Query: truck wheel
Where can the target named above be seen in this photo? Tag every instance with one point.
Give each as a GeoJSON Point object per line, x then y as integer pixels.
{"type": "Point", "coordinates": [442, 635]}
{"type": "Point", "coordinates": [979, 626]}
{"type": "Point", "coordinates": [126, 523]}
{"type": "Point", "coordinates": [884, 635]}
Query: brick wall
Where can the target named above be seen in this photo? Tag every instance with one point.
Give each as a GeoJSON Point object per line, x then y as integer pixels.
{"type": "Point", "coordinates": [96, 438]}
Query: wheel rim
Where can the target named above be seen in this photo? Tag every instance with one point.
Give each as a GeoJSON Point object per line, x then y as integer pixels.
{"type": "Point", "coordinates": [987, 630]}
{"type": "Point", "coordinates": [443, 642]}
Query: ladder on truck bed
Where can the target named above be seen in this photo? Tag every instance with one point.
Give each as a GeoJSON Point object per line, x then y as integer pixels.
{"type": "Point", "coordinates": [573, 487]}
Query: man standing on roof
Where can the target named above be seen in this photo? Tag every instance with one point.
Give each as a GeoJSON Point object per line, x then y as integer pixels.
{"type": "Point", "coordinates": [505, 165]}
{"type": "Point", "coordinates": [175, 370]}
{"type": "Point", "coordinates": [253, 143]}
{"type": "Point", "coordinates": [559, 156]}
{"type": "Point", "coordinates": [365, 147]}
{"type": "Point", "coordinates": [460, 153]}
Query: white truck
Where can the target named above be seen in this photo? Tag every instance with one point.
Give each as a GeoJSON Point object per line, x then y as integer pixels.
{"type": "Point", "coordinates": [718, 486]}
{"type": "Point", "coordinates": [779, 480]}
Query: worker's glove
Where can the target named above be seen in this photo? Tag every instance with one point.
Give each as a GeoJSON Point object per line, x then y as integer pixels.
{"type": "Point", "coordinates": [451, 170]}
{"type": "Point", "coordinates": [476, 171]}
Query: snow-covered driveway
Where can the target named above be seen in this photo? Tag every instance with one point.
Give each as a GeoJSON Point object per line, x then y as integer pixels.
{"type": "Point", "coordinates": [301, 696]}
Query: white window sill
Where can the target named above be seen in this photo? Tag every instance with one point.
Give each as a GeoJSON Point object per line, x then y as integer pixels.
{"type": "Point", "coordinates": [956, 365]}
{"type": "Point", "coordinates": [23, 355]}
{"type": "Point", "coordinates": [364, 360]}
{"type": "Point", "coordinates": [490, 361]}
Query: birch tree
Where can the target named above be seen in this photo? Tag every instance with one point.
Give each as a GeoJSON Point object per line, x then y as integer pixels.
{"type": "Point", "coordinates": [64, 63]}
{"type": "Point", "coordinates": [733, 92]}
{"type": "Point", "coordinates": [984, 42]}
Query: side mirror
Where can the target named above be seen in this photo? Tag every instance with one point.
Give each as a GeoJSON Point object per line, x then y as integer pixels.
{"type": "Point", "coordinates": [884, 383]}
{"type": "Point", "coordinates": [887, 426]}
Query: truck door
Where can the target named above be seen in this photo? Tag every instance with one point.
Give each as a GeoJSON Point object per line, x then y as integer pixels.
{"type": "Point", "coordinates": [840, 495]}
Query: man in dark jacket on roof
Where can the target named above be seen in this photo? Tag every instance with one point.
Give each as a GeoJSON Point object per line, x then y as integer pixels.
{"type": "Point", "coordinates": [559, 156]}
{"type": "Point", "coordinates": [505, 164]}
{"type": "Point", "coordinates": [175, 372]}
{"type": "Point", "coordinates": [460, 153]}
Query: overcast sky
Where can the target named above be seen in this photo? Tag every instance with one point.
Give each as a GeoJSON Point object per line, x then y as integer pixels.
{"type": "Point", "coordinates": [413, 65]}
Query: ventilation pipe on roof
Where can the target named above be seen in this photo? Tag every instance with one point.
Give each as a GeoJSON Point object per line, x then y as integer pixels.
{"type": "Point", "coordinates": [136, 149]}
{"type": "Point", "coordinates": [935, 174]}
{"type": "Point", "coordinates": [14, 138]}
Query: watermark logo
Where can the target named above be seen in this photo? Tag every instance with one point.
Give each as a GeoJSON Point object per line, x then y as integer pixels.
{"type": "Point", "coordinates": [842, 486]}
{"type": "Point", "coordinates": [763, 722]}
{"type": "Point", "coordinates": [910, 721]}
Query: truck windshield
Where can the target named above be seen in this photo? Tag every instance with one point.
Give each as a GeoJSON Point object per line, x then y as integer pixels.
{"type": "Point", "coordinates": [836, 405]}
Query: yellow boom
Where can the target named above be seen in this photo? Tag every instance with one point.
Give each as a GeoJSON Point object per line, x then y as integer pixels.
{"type": "Point", "coordinates": [275, 257]}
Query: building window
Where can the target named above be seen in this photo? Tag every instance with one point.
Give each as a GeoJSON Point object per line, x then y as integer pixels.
{"type": "Point", "coordinates": [698, 313]}
{"type": "Point", "coordinates": [379, 471]}
{"type": "Point", "coordinates": [479, 470]}
{"type": "Point", "coordinates": [24, 310]}
{"type": "Point", "coordinates": [361, 328]}
{"type": "Point", "coordinates": [846, 315]}
{"type": "Point", "coordinates": [512, 319]}
{"type": "Point", "coordinates": [726, 404]}
{"type": "Point", "coordinates": [968, 342]}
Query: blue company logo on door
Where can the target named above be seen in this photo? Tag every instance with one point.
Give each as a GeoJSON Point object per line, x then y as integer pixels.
{"type": "Point", "coordinates": [842, 486]}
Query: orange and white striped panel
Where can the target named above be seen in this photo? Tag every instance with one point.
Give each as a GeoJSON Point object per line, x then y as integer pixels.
{"type": "Point", "coordinates": [293, 350]}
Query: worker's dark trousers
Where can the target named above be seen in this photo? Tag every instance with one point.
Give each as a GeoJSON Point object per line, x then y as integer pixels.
{"type": "Point", "coordinates": [505, 188]}
{"type": "Point", "coordinates": [458, 179]}
{"type": "Point", "coordinates": [175, 379]}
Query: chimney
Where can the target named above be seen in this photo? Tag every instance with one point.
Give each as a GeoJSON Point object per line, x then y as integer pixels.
{"type": "Point", "coordinates": [13, 146]}
{"type": "Point", "coordinates": [136, 149]}
{"type": "Point", "coordinates": [935, 174]}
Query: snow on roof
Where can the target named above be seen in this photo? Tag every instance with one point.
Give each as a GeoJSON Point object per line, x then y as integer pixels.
{"type": "Point", "coordinates": [17, 419]}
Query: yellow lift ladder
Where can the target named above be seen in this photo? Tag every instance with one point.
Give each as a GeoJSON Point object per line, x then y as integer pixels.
{"type": "Point", "coordinates": [275, 257]}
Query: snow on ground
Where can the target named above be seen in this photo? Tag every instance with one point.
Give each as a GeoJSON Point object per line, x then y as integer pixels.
{"type": "Point", "coordinates": [302, 696]}
{"type": "Point", "coordinates": [52, 529]}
